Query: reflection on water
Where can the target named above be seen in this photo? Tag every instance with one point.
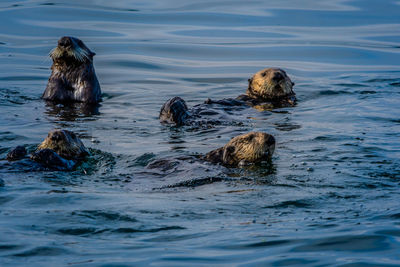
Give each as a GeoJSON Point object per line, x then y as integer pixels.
{"type": "Point", "coordinates": [144, 196]}
{"type": "Point", "coordinates": [71, 111]}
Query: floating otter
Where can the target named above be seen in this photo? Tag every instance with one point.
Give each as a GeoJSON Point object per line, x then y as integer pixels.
{"type": "Point", "coordinates": [61, 150]}
{"type": "Point", "coordinates": [244, 149]}
{"type": "Point", "coordinates": [72, 78]}
{"type": "Point", "coordinates": [269, 88]}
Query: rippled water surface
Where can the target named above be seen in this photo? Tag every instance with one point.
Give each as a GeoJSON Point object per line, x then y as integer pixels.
{"type": "Point", "coordinates": [330, 198]}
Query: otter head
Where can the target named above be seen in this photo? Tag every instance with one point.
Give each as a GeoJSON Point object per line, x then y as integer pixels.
{"type": "Point", "coordinates": [174, 111]}
{"type": "Point", "coordinates": [64, 143]}
{"type": "Point", "coordinates": [252, 147]}
{"type": "Point", "coordinates": [270, 85]}
{"type": "Point", "coordinates": [71, 50]}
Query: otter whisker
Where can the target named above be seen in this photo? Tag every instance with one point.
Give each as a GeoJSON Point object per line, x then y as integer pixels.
{"type": "Point", "coordinates": [55, 53]}
{"type": "Point", "coordinates": [76, 54]}
{"type": "Point", "coordinates": [81, 54]}
{"type": "Point", "coordinates": [84, 52]}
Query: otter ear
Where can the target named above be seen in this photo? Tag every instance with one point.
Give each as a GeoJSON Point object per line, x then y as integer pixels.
{"type": "Point", "coordinates": [228, 155]}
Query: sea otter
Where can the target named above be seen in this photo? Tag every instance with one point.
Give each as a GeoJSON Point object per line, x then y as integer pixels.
{"type": "Point", "coordinates": [244, 149]}
{"type": "Point", "coordinates": [269, 88]}
{"type": "Point", "coordinates": [61, 150]}
{"type": "Point", "coordinates": [72, 78]}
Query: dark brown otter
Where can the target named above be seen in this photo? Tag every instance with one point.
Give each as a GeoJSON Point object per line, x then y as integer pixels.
{"type": "Point", "coordinates": [61, 150]}
{"type": "Point", "coordinates": [268, 89]}
{"type": "Point", "coordinates": [244, 149]}
{"type": "Point", "coordinates": [72, 78]}
{"type": "Point", "coordinates": [174, 111]}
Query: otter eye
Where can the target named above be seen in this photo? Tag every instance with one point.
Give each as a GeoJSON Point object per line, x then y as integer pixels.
{"type": "Point", "coordinates": [263, 74]}
{"type": "Point", "coordinates": [56, 137]}
{"type": "Point", "coordinates": [230, 149]}
{"type": "Point", "coordinates": [250, 137]}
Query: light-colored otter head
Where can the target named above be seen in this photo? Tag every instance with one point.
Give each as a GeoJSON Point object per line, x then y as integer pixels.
{"type": "Point", "coordinates": [252, 147]}
{"type": "Point", "coordinates": [71, 49]}
{"type": "Point", "coordinates": [270, 84]}
{"type": "Point", "coordinates": [248, 148]}
{"type": "Point", "coordinates": [64, 143]}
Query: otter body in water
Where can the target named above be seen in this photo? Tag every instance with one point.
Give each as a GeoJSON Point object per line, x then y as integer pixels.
{"type": "Point", "coordinates": [61, 150]}
{"type": "Point", "coordinates": [73, 78]}
{"type": "Point", "coordinates": [253, 147]}
{"type": "Point", "coordinates": [269, 88]}
{"type": "Point", "coordinates": [245, 149]}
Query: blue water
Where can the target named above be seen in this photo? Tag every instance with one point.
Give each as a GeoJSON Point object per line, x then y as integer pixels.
{"type": "Point", "coordinates": [331, 197]}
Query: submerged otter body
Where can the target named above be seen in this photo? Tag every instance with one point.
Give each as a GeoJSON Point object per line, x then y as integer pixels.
{"type": "Point", "coordinates": [268, 89]}
{"type": "Point", "coordinates": [61, 150]}
{"type": "Point", "coordinates": [73, 78]}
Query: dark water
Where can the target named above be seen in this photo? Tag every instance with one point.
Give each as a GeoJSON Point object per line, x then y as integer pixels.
{"type": "Point", "coordinates": [330, 198]}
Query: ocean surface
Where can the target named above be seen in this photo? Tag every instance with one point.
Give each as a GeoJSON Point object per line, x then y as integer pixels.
{"type": "Point", "coordinates": [331, 196]}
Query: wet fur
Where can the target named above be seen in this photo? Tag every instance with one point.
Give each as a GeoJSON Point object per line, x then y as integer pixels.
{"type": "Point", "coordinates": [174, 111]}
{"type": "Point", "coordinates": [271, 84]}
{"type": "Point", "coordinates": [16, 154]}
{"type": "Point", "coordinates": [50, 159]}
{"type": "Point", "coordinates": [73, 78]}
{"type": "Point", "coordinates": [65, 143]}
{"type": "Point", "coordinates": [248, 148]}
{"type": "Point", "coordinates": [61, 150]}
{"type": "Point", "coordinates": [269, 88]}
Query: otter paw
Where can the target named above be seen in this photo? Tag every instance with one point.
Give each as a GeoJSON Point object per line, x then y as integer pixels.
{"type": "Point", "coordinates": [51, 159]}
{"type": "Point", "coordinates": [16, 154]}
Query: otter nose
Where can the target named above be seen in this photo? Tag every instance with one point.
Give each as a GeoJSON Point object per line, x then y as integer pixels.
{"type": "Point", "coordinates": [271, 140]}
{"type": "Point", "coordinates": [277, 77]}
{"type": "Point", "coordinates": [65, 42]}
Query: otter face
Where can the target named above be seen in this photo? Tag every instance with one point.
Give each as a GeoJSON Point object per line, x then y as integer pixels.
{"type": "Point", "coordinates": [252, 147]}
{"type": "Point", "coordinates": [64, 143]}
{"type": "Point", "coordinates": [71, 49]}
{"type": "Point", "coordinates": [270, 84]}
{"type": "Point", "coordinates": [174, 111]}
